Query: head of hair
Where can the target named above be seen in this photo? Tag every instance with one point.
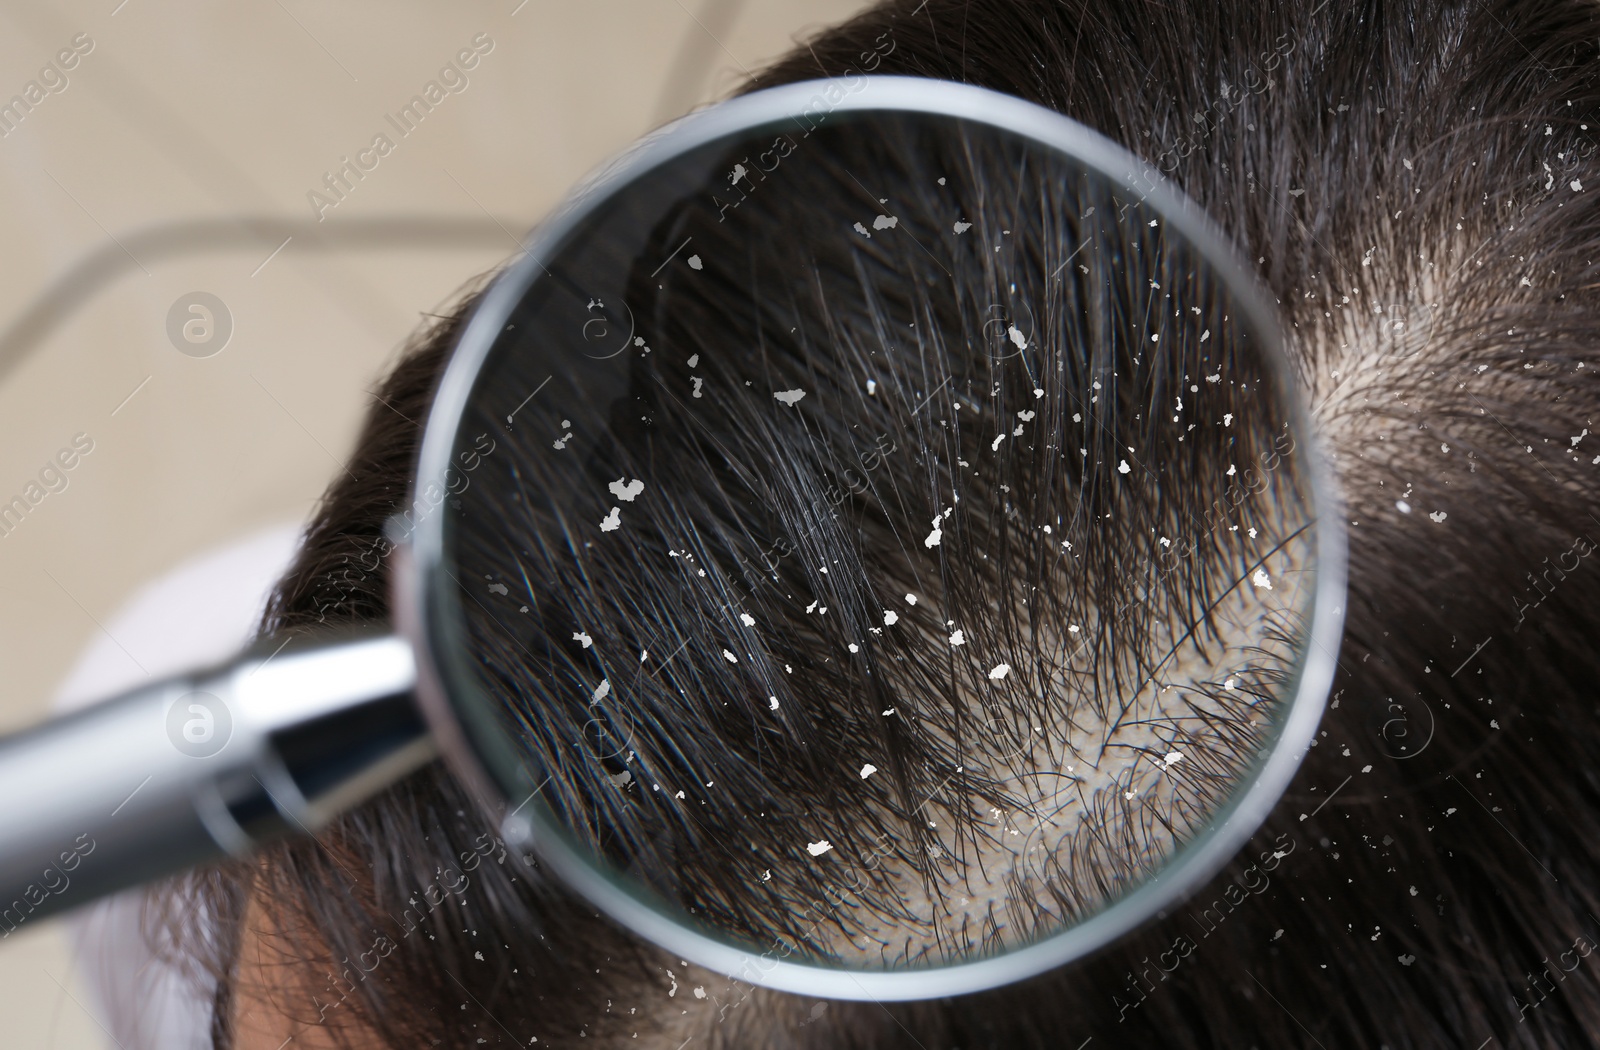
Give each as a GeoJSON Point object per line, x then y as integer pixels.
{"type": "Point", "coordinates": [1409, 181]}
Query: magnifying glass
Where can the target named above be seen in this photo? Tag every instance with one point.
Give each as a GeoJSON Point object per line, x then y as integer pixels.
{"type": "Point", "coordinates": [870, 545]}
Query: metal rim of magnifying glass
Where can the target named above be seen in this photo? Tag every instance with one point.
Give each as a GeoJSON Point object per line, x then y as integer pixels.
{"type": "Point", "coordinates": [423, 582]}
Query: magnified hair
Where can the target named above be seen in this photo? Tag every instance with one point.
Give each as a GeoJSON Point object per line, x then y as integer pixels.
{"type": "Point", "coordinates": [926, 557]}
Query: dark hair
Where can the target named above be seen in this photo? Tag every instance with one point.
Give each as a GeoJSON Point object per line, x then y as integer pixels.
{"type": "Point", "coordinates": [1409, 180]}
{"type": "Point", "coordinates": [901, 496]}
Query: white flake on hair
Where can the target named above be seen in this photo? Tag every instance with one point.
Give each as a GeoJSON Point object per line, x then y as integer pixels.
{"type": "Point", "coordinates": [867, 770]}
{"type": "Point", "coordinates": [817, 849]}
{"type": "Point", "coordinates": [729, 657]}
{"type": "Point", "coordinates": [962, 227]}
{"type": "Point", "coordinates": [695, 263]}
{"type": "Point", "coordinates": [958, 638]}
{"type": "Point", "coordinates": [581, 636]}
{"type": "Point", "coordinates": [601, 691]}
{"type": "Point", "coordinates": [999, 672]}
{"type": "Point", "coordinates": [1261, 580]}
{"type": "Point", "coordinates": [885, 222]}
{"type": "Point", "coordinates": [613, 521]}
{"type": "Point", "coordinates": [626, 490]}
{"type": "Point", "coordinates": [790, 397]}
{"type": "Point", "coordinates": [890, 617]}
{"type": "Point", "coordinates": [862, 230]}
{"type": "Point", "coordinates": [1016, 337]}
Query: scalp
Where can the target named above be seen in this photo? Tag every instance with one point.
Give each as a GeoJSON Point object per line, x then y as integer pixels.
{"type": "Point", "coordinates": [1382, 165]}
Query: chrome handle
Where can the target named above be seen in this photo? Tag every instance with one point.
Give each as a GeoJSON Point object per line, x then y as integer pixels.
{"type": "Point", "coordinates": [205, 764]}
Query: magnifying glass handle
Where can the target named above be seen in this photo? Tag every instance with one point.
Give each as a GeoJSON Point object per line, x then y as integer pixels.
{"type": "Point", "coordinates": [200, 766]}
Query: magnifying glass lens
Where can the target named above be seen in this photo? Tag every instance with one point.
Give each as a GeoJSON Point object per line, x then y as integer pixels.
{"type": "Point", "coordinates": [878, 538]}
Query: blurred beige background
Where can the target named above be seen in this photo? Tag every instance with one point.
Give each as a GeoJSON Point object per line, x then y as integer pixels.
{"type": "Point", "coordinates": [179, 111]}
